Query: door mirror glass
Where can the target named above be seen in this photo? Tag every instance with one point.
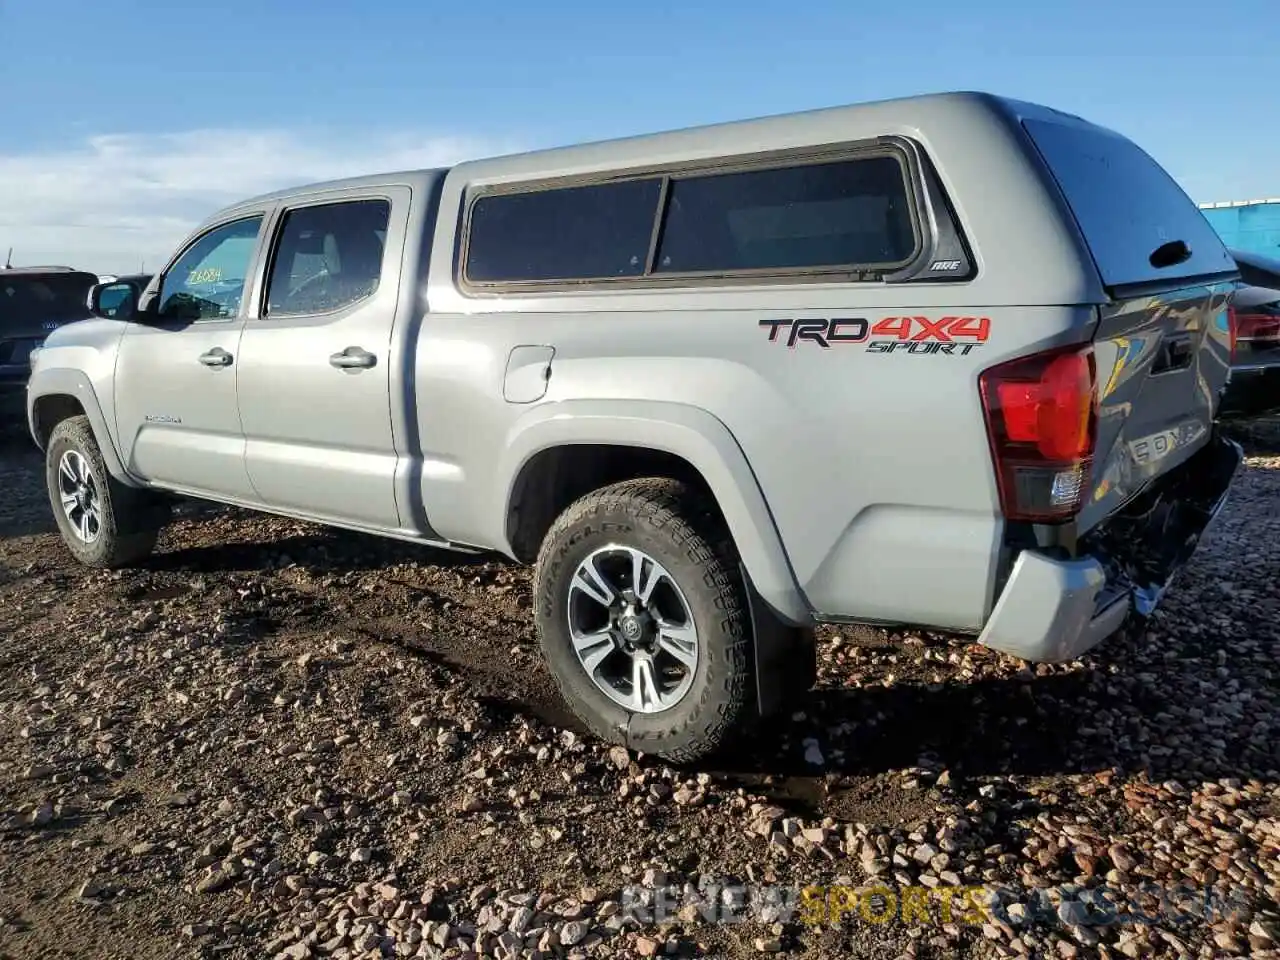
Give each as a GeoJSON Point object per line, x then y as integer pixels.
{"type": "Point", "coordinates": [115, 301]}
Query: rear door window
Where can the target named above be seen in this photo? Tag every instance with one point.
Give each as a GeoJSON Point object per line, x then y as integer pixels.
{"type": "Point", "coordinates": [328, 257]}
{"type": "Point", "coordinates": [1125, 204]}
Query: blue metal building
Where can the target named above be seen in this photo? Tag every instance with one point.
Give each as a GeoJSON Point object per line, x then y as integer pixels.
{"type": "Point", "coordinates": [1251, 225]}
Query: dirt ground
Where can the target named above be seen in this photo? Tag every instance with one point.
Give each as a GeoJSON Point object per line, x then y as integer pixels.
{"type": "Point", "coordinates": [275, 740]}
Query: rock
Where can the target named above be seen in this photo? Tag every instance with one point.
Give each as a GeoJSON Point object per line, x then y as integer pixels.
{"type": "Point", "coordinates": [520, 920]}
{"type": "Point", "coordinates": [1228, 941]}
{"type": "Point", "coordinates": [1073, 913]}
{"type": "Point", "coordinates": [142, 849]}
{"type": "Point", "coordinates": [574, 932]}
{"type": "Point", "coordinates": [924, 853]}
{"type": "Point", "coordinates": [619, 757]}
{"type": "Point", "coordinates": [647, 946]}
{"type": "Point", "coordinates": [213, 881]}
{"type": "Point", "coordinates": [1121, 857]}
{"type": "Point", "coordinates": [813, 753]}
{"type": "Point", "coordinates": [91, 889]}
{"type": "Point", "coordinates": [1087, 863]}
{"type": "Point", "coordinates": [1085, 935]}
{"type": "Point", "coordinates": [362, 855]}
{"type": "Point", "coordinates": [42, 815]}
{"type": "Point", "coordinates": [772, 945]}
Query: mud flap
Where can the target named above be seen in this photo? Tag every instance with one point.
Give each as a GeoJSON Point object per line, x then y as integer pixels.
{"type": "Point", "coordinates": [785, 656]}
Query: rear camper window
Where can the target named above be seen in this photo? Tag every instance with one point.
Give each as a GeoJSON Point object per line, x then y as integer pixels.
{"type": "Point", "coordinates": [1126, 205]}
{"type": "Point", "coordinates": [813, 216]}
{"type": "Point", "coordinates": [594, 232]}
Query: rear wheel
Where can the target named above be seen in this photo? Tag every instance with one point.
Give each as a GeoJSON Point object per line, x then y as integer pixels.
{"type": "Point", "coordinates": [642, 619]}
{"type": "Point", "coordinates": [102, 522]}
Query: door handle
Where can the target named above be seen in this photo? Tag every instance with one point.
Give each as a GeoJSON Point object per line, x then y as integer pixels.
{"type": "Point", "coordinates": [217, 357]}
{"type": "Point", "coordinates": [353, 358]}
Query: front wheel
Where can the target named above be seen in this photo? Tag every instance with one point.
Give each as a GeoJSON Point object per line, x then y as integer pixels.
{"type": "Point", "coordinates": [642, 618]}
{"type": "Point", "coordinates": [102, 522]}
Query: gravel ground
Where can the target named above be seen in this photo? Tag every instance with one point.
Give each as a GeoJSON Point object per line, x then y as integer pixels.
{"type": "Point", "coordinates": [274, 740]}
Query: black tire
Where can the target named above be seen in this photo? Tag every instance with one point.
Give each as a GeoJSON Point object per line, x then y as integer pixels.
{"type": "Point", "coordinates": [682, 530]}
{"type": "Point", "coordinates": [129, 520]}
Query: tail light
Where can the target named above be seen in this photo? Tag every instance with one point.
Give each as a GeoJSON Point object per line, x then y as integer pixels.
{"type": "Point", "coordinates": [1233, 331]}
{"type": "Point", "coordinates": [1042, 421]}
{"type": "Point", "coordinates": [1259, 328]}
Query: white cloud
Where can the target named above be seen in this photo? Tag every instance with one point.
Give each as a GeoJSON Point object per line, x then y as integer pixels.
{"type": "Point", "coordinates": [116, 200]}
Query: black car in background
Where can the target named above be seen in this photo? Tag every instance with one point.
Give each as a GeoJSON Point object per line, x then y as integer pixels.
{"type": "Point", "coordinates": [1254, 389]}
{"type": "Point", "coordinates": [33, 301]}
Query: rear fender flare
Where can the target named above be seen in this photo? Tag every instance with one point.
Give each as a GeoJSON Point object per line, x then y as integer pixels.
{"type": "Point", "coordinates": [687, 432]}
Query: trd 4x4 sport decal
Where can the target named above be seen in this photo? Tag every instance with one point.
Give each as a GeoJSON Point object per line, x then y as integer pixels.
{"type": "Point", "coordinates": [950, 336]}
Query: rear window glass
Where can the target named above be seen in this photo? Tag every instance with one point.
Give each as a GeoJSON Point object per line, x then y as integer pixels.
{"type": "Point", "coordinates": [573, 233]}
{"type": "Point", "coordinates": [1126, 204]}
{"type": "Point", "coordinates": [852, 212]}
{"type": "Point", "coordinates": [34, 300]}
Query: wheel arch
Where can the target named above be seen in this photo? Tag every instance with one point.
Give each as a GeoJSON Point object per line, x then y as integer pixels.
{"type": "Point", "coordinates": [55, 394]}
{"type": "Point", "coordinates": [561, 451]}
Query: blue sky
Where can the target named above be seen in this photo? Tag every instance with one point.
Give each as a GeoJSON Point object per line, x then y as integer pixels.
{"type": "Point", "coordinates": [124, 120]}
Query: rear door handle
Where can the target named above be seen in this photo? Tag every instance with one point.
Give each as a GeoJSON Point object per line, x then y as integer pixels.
{"type": "Point", "coordinates": [353, 358]}
{"type": "Point", "coordinates": [217, 357]}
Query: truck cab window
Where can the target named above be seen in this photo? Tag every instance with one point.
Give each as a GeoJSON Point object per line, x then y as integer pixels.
{"type": "Point", "coordinates": [327, 257]}
{"type": "Point", "coordinates": [207, 281]}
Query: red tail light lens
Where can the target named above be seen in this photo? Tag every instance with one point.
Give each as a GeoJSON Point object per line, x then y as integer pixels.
{"type": "Point", "coordinates": [1255, 328]}
{"type": "Point", "coordinates": [1233, 329]}
{"type": "Point", "coordinates": [1042, 416]}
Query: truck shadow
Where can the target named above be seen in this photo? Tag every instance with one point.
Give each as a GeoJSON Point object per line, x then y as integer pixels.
{"type": "Point", "coordinates": [319, 548]}
{"type": "Point", "coordinates": [1079, 723]}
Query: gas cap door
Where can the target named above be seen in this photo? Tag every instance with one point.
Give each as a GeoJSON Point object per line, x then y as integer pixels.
{"type": "Point", "coordinates": [528, 370]}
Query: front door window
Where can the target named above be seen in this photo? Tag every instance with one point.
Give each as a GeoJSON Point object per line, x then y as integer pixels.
{"type": "Point", "coordinates": [207, 281]}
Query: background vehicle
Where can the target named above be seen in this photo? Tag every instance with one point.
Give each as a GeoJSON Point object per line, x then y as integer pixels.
{"type": "Point", "coordinates": [718, 384]}
{"type": "Point", "coordinates": [1254, 390]}
{"type": "Point", "coordinates": [33, 301]}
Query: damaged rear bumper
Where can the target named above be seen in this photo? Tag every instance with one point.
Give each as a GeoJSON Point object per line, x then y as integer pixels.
{"type": "Point", "coordinates": [1056, 609]}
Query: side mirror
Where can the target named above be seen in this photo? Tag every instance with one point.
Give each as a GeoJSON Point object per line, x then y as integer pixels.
{"type": "Point", "coordinates": [114, 301]}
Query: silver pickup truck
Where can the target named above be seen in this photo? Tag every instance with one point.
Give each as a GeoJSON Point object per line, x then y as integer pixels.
{"type": "Point", "coordinates": [951, 361]}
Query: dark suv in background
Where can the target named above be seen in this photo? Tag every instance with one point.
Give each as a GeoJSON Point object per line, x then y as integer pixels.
{"type": "Point", "coordinates": [33, 301]}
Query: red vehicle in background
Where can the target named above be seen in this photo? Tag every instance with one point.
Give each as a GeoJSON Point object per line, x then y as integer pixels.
{"type": "Point", "coordinates": [1254, 389]}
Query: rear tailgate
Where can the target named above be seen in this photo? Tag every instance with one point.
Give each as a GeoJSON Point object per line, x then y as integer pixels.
{"type": "Point", "coordinates": [1162, 344]}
